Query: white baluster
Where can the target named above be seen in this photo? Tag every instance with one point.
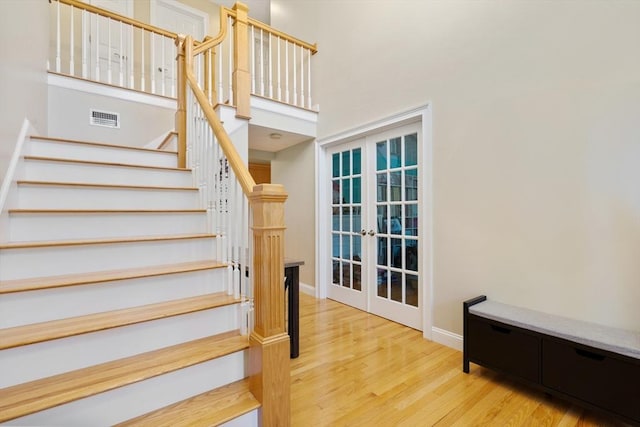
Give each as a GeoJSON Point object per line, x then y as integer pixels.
{"type": "Point", "coordinates": [84, 44]}
{"type": "Point", "coordinates": [97, 48]}
{"type": "Point", "coordinates": [57, 37]}
{"type": "Point", "coordinates": [72, 49]}
{"type": "Point", "coordinates": [253, 59]}
{"type": "Point", "coordinates": [309, 79]}
{"type": "Point", "coordinates": [109, 52]}
{"type": "Point", "coordinates": [231, 64]}
{"type": "Point", "coordinates": [270, 68]}
{"type": "Point", "coordinates": [121, 75]}
{"type": "Point", "coordinates": [152, 70]}
{"type": "Point", "coordinates": [261, 62]}
{"type": "Point", "coordinates": [302, 75]}
{"type": "Point", "coordinates": [162, 65]}
{"type": "Point", "coordinates": [286, 70]}
{"type": "Point", "coordinates": [132, 80]}
{"type": "Point", "coordinates": [219, 66]}
{"type": "Point", "coordinates": [295, 79]}
{"type": "Point", "coordinates": [279, 72]}
{"type": "Point", "coordinates": [142, 82]}
{"type": "Point", "coordinates": [173, 70]}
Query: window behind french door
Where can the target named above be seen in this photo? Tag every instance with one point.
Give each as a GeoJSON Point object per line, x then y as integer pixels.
{"type": "Point", "coordinates": [375, 224]}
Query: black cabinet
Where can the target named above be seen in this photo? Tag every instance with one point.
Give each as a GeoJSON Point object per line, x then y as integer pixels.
{"type": "Point", "coordinates": [592, 375]}
{"type": "Point", "coordinates": [596, 378]}
{"type": "Point", "coordinates": [504, 348]}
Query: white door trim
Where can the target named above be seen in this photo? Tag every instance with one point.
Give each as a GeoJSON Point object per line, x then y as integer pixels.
{"type": "Point", "coordinates": [323, 265]}
{"type": "Point", "coordinates": [153, 12]}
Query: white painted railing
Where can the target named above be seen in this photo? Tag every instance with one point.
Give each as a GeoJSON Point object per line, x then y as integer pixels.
{"type": "Point", "coordinates": [102, 46]}
{"type": "Point", "coordinates": [221, 194]}
{"type": "Point", "coordinates": [280, 65]}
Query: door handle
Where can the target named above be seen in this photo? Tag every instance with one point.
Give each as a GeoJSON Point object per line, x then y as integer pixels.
{"type": "Point", "coordinates": [363, 232]}
{"type": "Point", "coordinates": [372, 233]}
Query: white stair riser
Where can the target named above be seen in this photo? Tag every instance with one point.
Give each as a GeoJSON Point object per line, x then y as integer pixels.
{"type": "Point", "coordinates": [22, 308]}
{"type": "Point", "coordinates": [63, 150]}
{"type": "Point", "coordinates": [61, 197]}
{"type": "Point", "coordinates": [28, 363]}
{"type": "Point", "coordinates": [52, 171]}
{"type": "Point", "coordinates": [37, 227]}
{"type": "Point", "coordinates": [60, 260]}
{"type": "Point", "coordinates": [137, 399]}
{"type": "Point", "coordinates": [250, 419]}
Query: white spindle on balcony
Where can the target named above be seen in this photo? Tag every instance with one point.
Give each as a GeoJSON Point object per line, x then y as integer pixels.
{"type": "Point", "coordinates": [85, 51]}
{"type": "Point", "coordinates": [71, 46]}
{"type": "Point", "coordinates": [58, 38]}
{"type": "Point", "coordinates": [109, 61]}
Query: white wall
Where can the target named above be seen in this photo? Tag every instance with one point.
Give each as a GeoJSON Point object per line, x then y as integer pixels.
{"type": "Point", "coordinates": [294, 168]}
{"type": "Point", "coordinates": [140, 123]}
{"type": "Point", "coordinates": [24, 46]}
{"type": "Point", "coordinates": [536, 109]}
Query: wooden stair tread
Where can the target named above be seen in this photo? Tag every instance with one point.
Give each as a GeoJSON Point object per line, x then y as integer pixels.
{"type": "Point", "coordinates": [37, 283]}
{"type": "Point", "coordinates": [102, 211]}
{"type": "Point", "coordinates": [23, 399]}
{"type": "Point", "coordinates": [91, 185]}
{"type": "Point", "coordinates": [207, 409]}
{"type": "Point", "coordinates": [91, 162]}
{"type": "Point", "coordinates": [62, 328]}
{"type": "Point", "coordinates": [100, 144]}
{"type": "Point", "coordinates": [111, 240]}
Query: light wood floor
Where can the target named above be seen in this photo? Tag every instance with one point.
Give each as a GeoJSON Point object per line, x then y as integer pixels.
{"type": "Point", "coordinates": [356, 369]}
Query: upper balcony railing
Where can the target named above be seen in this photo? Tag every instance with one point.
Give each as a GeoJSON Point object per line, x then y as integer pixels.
{"type": "Point", "coordinates": [99, 45]}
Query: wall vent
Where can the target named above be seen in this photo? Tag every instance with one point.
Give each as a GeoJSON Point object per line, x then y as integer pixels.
{"type": "Point", "coordinates": [104, 118]}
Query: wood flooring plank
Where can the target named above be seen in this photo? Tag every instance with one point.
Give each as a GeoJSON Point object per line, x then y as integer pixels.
{"type": "Point", "coordinates": [356, 369]}
{"type": "Point", "coordinates": [27, 398]}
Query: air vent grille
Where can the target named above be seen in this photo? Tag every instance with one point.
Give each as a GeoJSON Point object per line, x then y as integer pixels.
{"type": "Point", "coordinates": [104, 118]}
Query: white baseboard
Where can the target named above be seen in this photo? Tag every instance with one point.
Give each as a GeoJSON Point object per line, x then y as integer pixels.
{"type": "Point", "coordinates": [307, 289]}
{"type": "Point", "coordinates": [447, 338]}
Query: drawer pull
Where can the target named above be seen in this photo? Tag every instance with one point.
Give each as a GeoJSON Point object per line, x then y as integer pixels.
{"type": "Point", "coordinates": [500, 329]}
{"type": "Point", "coordinates": [589, 355]}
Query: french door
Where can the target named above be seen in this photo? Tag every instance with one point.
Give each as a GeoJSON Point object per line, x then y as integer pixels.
{"type": "Point", "coordinates": [375, 224]}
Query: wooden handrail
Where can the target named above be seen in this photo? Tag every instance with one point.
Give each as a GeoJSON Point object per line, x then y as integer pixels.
{"type": "Point", "coordinates": [258, 24]}
{"type": "Point", "coordinates": [117, 17]}
{"type": "Point", "coordinates": [226, 12]}
{"type": "Point", "coordinates": [241, 171]}
{"type": "Point", "coordinates": [211, 42]}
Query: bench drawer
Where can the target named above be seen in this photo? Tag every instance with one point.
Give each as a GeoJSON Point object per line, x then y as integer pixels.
{"type": "Point", "coordinates": [592, 375]}
{"type": "Point", "coordinates": [503, 347]}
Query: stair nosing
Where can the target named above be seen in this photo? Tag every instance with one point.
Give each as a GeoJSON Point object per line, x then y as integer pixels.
{"type": "Point", "coordinates": [34, 333]}
{"type": "Point", "coordinates": [80, 279]}
{"type": "Point", "coordinates": [113, 240]}
{"type": "Point", "coordinates": [103, 377]}
{"type": "Point", "coordinates": [100, 144]}
{"type": "Point", "coordinates": [92, 162]}
{"type": "Point", "coordinates": [97, 185]}
{"type": "Point", "coordinates": [204, 407]}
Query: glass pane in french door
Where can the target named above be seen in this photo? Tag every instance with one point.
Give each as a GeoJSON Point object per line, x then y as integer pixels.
{"type": "Point", "coordinates": [397, 235]}
{"type": "Point", "coordinates": [346, 207]}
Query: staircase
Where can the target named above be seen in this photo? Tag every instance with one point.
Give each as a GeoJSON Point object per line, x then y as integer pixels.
{"type": "Point", "coordinates": [112, 308]}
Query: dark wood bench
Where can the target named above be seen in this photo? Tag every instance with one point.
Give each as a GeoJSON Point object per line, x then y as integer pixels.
{"type": "Point", "coordinates": [592, 365]}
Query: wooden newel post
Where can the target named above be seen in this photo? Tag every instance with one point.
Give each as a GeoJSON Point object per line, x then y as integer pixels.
{"type": "Point", "coordinates": [181, 113]}
{"type": "Point", "coordinates": [241, 76]}
{"type": "Point", "coordinates": [269, 343]}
